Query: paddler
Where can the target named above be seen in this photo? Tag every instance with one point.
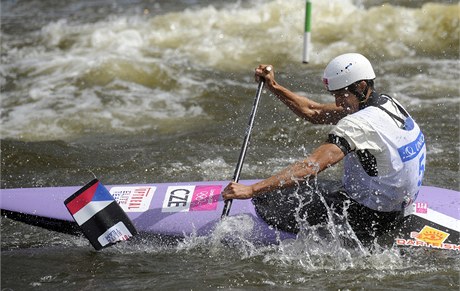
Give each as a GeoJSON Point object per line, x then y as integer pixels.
{"type": "Point", "coordinates": [382, 146]}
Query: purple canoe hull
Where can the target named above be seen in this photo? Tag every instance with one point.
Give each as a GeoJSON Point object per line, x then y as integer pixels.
{"type": "Point", "coordinates": [182, 209]}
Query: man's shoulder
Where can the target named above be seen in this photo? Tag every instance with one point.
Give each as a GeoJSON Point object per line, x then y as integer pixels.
{"type": "Point", "coordinates": [360, 118]}
{"type": "Point", "coordinates": [353, 125]}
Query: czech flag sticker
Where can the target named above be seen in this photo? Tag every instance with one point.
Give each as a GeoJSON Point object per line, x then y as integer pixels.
{"type": "Point", "coordinates": [99, 216]}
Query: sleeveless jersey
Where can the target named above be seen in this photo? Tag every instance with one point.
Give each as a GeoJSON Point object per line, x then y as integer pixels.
{"type": "Point", "coordinates": [397, 152]}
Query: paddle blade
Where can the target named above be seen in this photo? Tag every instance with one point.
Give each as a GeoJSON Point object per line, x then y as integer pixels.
{"type": "Point", "coordinates": [99, 216]}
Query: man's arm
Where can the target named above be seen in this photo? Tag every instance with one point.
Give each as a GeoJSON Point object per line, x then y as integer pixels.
{"type": "Point", "coordinates": [314, 112]}
{"type": "Point", "coordinates": [323, 157]}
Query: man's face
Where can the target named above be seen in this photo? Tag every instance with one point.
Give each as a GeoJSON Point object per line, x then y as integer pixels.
{"type": "Point", "coordinates": [345, 99]}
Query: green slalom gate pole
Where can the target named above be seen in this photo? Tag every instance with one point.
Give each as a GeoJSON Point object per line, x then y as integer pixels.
{"type": "Point", "coordinates": [307, 36]}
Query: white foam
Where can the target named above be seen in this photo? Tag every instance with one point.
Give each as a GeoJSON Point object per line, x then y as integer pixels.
{"type": "Point", "coordinates": [123, 73]}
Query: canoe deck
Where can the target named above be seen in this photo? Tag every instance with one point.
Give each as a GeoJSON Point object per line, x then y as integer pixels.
{"type": "Point", "coordinates": [195, 208]}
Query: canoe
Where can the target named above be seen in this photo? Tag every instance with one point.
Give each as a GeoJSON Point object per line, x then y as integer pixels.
{"type": "Point", "coordinates": [195, 208]}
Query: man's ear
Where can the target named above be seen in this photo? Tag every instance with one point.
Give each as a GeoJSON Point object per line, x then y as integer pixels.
{"type": "Point", "coordinates": [362, 86]}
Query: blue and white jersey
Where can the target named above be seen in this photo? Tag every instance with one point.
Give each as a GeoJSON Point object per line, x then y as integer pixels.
{"type": "Point", "coordinates": [396, 154]}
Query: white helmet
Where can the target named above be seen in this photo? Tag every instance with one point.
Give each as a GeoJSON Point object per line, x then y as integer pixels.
{"type": "Point", "coordinates": [347, 69]}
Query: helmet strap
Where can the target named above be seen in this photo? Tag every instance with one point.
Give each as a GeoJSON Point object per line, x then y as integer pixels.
{"type": "Point", "coordinates": [360, 95]}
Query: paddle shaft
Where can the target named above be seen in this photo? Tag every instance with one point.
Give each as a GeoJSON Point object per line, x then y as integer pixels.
{"type": "Point", "coordinates": [244, 148]}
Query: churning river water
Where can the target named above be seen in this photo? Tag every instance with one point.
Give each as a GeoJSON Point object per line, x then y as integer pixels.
{"type": "Point", "coordinates": [149, 91]}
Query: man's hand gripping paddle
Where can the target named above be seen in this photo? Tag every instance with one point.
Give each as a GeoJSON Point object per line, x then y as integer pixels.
{"type": "Point", "coordinates": [244, 148]}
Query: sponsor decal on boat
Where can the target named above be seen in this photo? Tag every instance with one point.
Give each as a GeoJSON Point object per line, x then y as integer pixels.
{"type": "Point", "coordinates": [134, 199]}
{"type": "Point", "coordinates": [431, 235]}
{"type": "Point", "coordinates": [191, 198]}
{"type": "Point", "coordinates": [421, 207]}
{"type": "Point", "coordinates": [205, 198]}
{"type": "Point", "coordinates": [428, 237]}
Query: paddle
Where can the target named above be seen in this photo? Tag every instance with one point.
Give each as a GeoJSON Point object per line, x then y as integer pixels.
{"type": "Point", "coordinates": [244, 148]}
